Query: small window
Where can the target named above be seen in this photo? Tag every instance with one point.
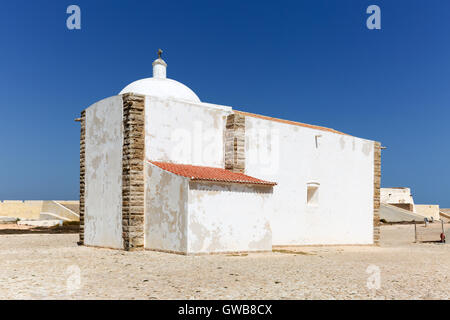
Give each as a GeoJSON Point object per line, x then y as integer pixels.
{"type": "Point", "coordinates": [312, 196]}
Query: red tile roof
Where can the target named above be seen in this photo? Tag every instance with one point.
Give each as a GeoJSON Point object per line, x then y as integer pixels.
{"type": "Point", "coordinates": [209, 173]}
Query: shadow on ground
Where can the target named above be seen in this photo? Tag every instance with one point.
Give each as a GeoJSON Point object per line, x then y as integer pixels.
{"type": "Point", "coordinates": [15, 229]}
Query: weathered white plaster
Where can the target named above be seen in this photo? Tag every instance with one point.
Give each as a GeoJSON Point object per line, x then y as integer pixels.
{"type": "Point", "coordinates": [183, 132]}
{"type": "Point", "coordinates": [166, 198]}
{"type": "Point", "coordinates": [228, 217]}
{"type": "Point", "coordinates": [294, 156]}
{"type": "Point", "coordinates": [396, 195]}
{"type": "Point", "coordinates": [103, 179]}
{"type": "Point", "coordinates": [159, 68]}
{"type": "Point", "coordinates": [199, 217]}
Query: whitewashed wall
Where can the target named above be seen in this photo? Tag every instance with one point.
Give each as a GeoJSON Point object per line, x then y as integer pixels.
{"type": "Point", "coordinates": [166, 198]}
{"type": "Point", "coordinates": [185, 132]}
{"type": "Point", "coordinates": [228, 217]}
{"type": "Point", "coordinates": [396, 195]}
{"type": "Point", "coordinates": [344, 167]}
{"type": "Point", "coordinates": [103, 180]}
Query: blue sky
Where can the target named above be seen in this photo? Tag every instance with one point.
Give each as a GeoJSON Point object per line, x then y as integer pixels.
{"type": "Point", "coordinates": [309, 61]}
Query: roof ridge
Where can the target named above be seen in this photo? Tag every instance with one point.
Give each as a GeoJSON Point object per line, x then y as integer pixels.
{"type": "Point", "coordinates": [295, 123]}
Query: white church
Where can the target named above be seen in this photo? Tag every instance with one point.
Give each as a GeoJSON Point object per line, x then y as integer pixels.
{"type": "Point", "coordinates": [161, 170]}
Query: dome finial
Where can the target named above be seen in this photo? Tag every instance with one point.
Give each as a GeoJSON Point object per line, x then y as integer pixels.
{"type": "Point", "coordinates": [159, 67]}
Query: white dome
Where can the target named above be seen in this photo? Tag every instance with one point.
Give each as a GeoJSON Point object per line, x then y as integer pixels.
{"type": "Point", "coordinates": [160, 86]}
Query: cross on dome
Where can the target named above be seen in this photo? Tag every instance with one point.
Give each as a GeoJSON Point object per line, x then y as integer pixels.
{"type": "Point", "coordinates": [160, 86]}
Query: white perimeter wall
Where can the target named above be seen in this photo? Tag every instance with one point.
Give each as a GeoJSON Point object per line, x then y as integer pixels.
{"type": "Point", "coordinates": [428, 210]}
{"type": "Point", "coordinates": [344, 167]}
{"type": "Point", "coordinates": [103, 179]}
{"type": "Point", "coordinates": [166, 197]}
{"type": "Point", "coordinates": [228, 217]}
{"type": "Point", "coordinates": [184, 132]}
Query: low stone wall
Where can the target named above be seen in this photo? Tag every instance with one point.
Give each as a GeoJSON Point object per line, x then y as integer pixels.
{"type": "Point", "coordinates": [21, 209]}
{"type": "Point", "coordinates": [428, 210]}
{"type": "Point", "coordinates": [32, 209]}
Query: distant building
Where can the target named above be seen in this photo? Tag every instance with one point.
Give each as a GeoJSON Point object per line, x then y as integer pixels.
{"type": "Point", "coordinates": [161, 170]}
{"type": "Point", "coordinates": [402, 198]}
{"type": "Point", "coordinates": [399, 197]}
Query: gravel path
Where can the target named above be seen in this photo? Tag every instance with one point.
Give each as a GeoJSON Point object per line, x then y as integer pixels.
{"type": "Point", "coordinates": [52, 266]}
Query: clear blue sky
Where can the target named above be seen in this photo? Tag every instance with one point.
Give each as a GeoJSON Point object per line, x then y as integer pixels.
{"type": "Point", "coordinates": [310, 61]}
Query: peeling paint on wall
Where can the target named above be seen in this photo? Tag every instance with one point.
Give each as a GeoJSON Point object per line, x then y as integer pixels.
{"type": "Point", "coordinates": [228, 217]}
{"type": "Point", "coordinates": [367, 148]}
{"type": "Point", "coordinates": [103, 180]}
{"type": "Point", "coordinates": [199, 217]}
{"type": "Point", "coordinates": [165, 210]}
{"type": "Point", "coordinates": [202, 217]}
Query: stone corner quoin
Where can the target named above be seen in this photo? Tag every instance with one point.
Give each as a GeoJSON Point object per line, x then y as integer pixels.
{"type": "Point", "coordinates": [376, 194]}
{"type": "Point", "coordinates": [133, 171]}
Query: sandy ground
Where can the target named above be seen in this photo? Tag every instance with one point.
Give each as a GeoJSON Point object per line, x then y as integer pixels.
{"type": "Point", "coordinates": [52, 266]}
